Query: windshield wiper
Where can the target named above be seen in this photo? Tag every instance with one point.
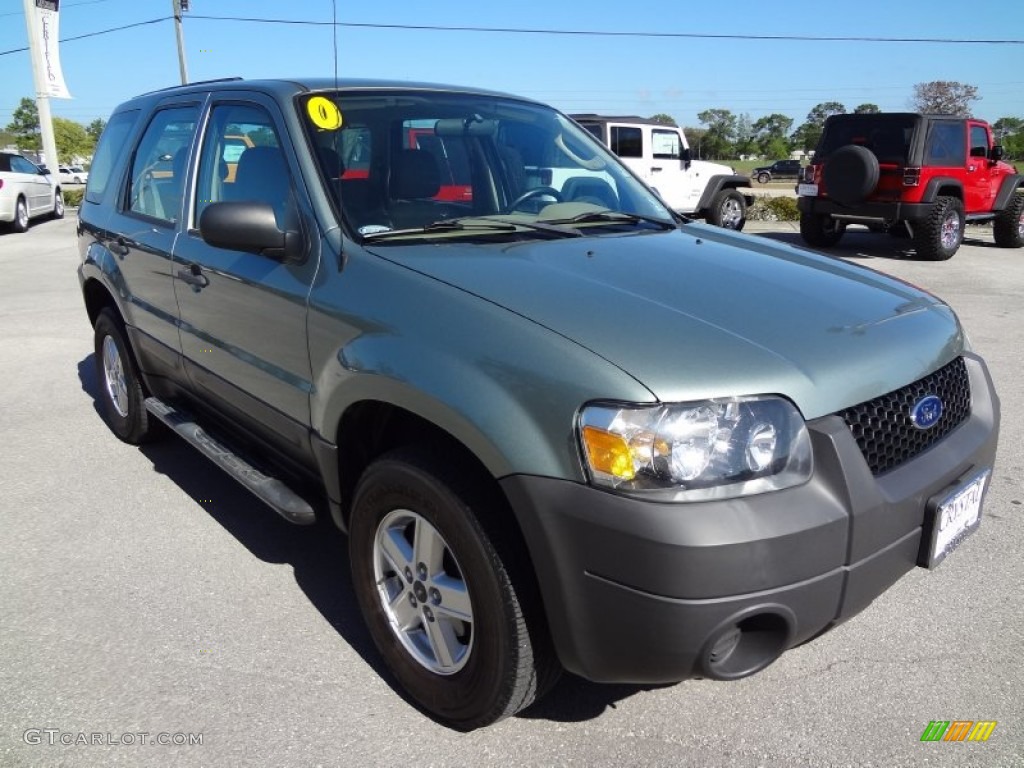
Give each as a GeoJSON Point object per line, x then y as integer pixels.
{"type": "Point", "coordinates": [616, 217]}
{"type": "Point", "coordinates": [472, 223]}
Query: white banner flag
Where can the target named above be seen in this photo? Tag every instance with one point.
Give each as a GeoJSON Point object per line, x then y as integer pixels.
{"type": "Point", "coordinates": [47, 18]}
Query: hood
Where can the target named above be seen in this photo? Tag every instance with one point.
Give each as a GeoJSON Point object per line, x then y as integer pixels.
{"type": "Point", "coordinates": [706, 312]}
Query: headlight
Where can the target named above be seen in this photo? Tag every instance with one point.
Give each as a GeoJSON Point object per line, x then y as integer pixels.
{"type": "Point", "coordinates": [711, 449]}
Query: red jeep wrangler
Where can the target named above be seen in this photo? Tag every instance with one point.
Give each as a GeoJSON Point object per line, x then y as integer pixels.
{"type": "Point", "coordinates": [912, 175]}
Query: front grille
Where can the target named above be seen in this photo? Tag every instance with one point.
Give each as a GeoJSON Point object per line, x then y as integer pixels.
{"type": "Point", "coordinates": [883, 429]}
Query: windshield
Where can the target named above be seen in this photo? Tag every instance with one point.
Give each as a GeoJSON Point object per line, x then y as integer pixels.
{"type": "Point", "coordinates": [397, 162]}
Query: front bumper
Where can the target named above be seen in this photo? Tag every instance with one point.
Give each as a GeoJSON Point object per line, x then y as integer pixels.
{"type": "Point", "coordinates": [644, 592]}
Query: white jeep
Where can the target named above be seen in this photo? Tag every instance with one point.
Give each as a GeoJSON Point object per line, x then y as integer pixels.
{"type": "Point", "coordinates": [660, 155]}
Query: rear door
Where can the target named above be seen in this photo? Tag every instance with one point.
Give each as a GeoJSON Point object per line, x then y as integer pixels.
{"type": "Point", "coordinates": [146, 217]}
{"type": "Point", "coordinates": [243, 315]}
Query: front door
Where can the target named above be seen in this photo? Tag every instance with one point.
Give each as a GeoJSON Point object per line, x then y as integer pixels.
{"type": "Point", "coordinates": [243, 315]}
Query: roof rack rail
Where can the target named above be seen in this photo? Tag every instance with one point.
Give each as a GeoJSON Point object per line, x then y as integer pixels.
{"type": "Point", "coordinates": [194, 82]}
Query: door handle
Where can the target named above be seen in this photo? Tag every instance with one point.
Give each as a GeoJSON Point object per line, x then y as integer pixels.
{"type": "Point", "coordinates": [655, 168]}
{"type": "Point", "coordinates": [194, 276]}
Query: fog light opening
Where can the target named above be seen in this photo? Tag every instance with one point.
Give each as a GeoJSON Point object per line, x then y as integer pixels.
{"type": "Point", "coordinates": [745, 646]}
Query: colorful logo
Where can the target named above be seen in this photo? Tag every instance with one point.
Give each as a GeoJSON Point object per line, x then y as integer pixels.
{"type": "Point", "coordinates": [958, 730]}
{"type": "Point", "coordinates": [926, 412]}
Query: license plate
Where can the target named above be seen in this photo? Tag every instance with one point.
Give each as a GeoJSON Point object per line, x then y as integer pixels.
{"type": "Point", "coordinates": [955, 517]}
{"type": "Point", "coordinates": [807, 190]}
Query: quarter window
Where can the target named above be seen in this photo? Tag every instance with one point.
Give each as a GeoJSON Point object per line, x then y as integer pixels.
{"type": "Point", "coordinates": [110, 148]}
{"type": "Point", "coordinates": [946, 144]}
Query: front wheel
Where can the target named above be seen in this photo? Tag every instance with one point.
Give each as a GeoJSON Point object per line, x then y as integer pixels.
{"type": "Point", "coordinates": [728, 210]}
{"type": "Point", "coordinates": [764, 178]}
{"type": "Point", "coordinates": [938, 237]}
{"type": "Point", "coordinates": [1008, 228]}
{"type": "Point", "coordinates": [820, 230]}
{"type": "Point", "coordinates": [121, 395]}
{"type": "Point", "coordinates": [438, 598]}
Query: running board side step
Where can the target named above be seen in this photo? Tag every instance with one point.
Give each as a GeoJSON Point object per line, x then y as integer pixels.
{"type": "Point", "coordinates": [270, 490]}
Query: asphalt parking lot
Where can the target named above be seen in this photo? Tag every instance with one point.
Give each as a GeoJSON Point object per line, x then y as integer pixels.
{"type": "Point", "coordinates": [143, 593]}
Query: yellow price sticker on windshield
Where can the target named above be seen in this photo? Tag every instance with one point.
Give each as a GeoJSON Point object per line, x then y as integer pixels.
{"type": "Point", "coordinates": [324, 113]}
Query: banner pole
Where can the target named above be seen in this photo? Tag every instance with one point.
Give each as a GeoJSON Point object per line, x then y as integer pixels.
{"type": "Point", "coordinates": [42, 94]}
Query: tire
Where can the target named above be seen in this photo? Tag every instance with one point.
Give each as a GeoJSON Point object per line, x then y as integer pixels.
{"type": "Point", "coordinates": [20, 223]}
{"type": "Point", "coordinates": [58, 205]}
{"type": "Point", "coordinates": [1008, 227]}
{"type": "Point", "coordinates": [937, 237]}
{"type": "Point", "coordinates": [764, 178]}
{"type": "Point", "coordinates": [850, 174]}
{"type": "Point", "coordinates": [121, 394]}
{"type": "Point", "coordinates": [728, 210]}
{"type": "Point", "coordinates": [820, 230]}
{"type": "Point", "coordinates": [452, 627]}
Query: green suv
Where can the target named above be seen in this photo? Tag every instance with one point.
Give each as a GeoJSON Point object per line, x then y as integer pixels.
{"type": "Point", "coordinates": [562, 426]}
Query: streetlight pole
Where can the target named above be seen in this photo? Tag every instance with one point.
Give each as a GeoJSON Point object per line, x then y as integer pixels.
{"type": "Point", "coordinates": [178, 6]}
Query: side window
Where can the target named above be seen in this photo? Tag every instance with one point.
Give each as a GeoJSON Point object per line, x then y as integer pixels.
{"type": "Point", "coordinates": [667, 145]}
{"type": "Point", "coordinates": [627, 142]}
{"type": "Point", "coordinates": [21, 165]}
{"type": "Point", "coordinates": [110, 148]}
{"type": "Point", "coordinates": [946, 144]}
{"type": "Point", "coordinates": [979, 141]}
{"type": "Point", "coordinates": [242, 161]}
{"type": "Point", "coordinates": [157, 179]}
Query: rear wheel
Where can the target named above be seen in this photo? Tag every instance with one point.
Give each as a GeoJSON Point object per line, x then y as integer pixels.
{"type": "Point", "coordinates": [938, 237]}
{"type": "Point", "coordinates": [820, 230]}
{"type": "Point", "coordinates": [121, 395]}
{"type": "Point", "coordinates": [441, 601]}
{"type": "Point", "coordinates": [728, 210]}
{"type": "Point", "coordinates": [1008, 228]}
{"type": "Point", "coordinates": [58, 205]}
{"type": "Point", "coordinates": [20, 223]}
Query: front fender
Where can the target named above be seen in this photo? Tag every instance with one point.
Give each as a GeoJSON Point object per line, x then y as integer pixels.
{"type": "Point", "coordinates": [717, 183]}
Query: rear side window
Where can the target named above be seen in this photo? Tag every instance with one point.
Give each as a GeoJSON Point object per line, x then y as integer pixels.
{"type": "Point", "coordinates": [111, 146]}
{"type": "Point", "coordinates": [21, 165]}
{"type": "Point", "coordinates": [946, 144]}
{"type": "Point", "coordinates": [627, 142]}
{"type": "Point", "coordinates": [157, 179]}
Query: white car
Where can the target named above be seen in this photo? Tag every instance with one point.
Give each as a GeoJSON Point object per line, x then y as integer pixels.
{"type": "Point", "coordinates": [26, 192]}
{"type": "Point", "coordinates": [73, 174]}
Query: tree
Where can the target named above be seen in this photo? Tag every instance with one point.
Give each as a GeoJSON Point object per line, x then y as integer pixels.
{"type": "Point", "coordinates": [71, 139]}
{"type": "Point", "coordinates": [662, 119]}
{"type": "Point", "coordinates": [807, 135]}
{"type": "Point", "coordinates": [25, 125]}
{"type": "Point", "coordinates": [721, 132]}
{"type": "Point", "coordinates": [746, 143]}
{"type": "Point", "coordinates": [95, 128]}
{"type": "Point", "coordinates": [1007, 126]}
{"type": "Point", "coordinates": [695, 137]}
{"type": "Point", "coordinates": [771, 132]}
{"type": "Point", "coordinates": [944, 97]}
{"type": "Point", "coordinates": [864, 109]}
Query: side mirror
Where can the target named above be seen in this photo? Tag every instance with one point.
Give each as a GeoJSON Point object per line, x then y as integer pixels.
{"type": "Point", "coordinates": [687, 158]}
{"type": "Point", "coordinates": [250, 227]}
{"type": "Point", "coordinates": [996, 153]}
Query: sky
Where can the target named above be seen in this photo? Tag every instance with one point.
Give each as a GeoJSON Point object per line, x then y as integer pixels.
{"type": "Point", "coordinates": [642, 74]}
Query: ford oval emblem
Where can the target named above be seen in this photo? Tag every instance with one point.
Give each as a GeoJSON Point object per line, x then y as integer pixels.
{"type": "Point", "coordinates": [926, 412]}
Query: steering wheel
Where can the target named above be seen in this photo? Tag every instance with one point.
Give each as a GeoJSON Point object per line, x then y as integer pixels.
{"type": "Point", "coordinates": [532, 193]}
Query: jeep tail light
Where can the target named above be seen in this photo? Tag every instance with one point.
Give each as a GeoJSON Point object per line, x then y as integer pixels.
{"type": "Point", "coordinates": [911, 177]}
{"type": "Point", "coordinates": [807, 174]}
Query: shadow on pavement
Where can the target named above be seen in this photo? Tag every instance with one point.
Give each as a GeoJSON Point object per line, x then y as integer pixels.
{"type": "Point", "coordinates": [859, 243]}
{"type": "Point", "coordinates": [318, 555]}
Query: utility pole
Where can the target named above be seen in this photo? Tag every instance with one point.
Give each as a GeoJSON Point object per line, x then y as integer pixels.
{"type": "Point", "coordinates": [178, 6]}
{"type": "Point", "coordinates": [42, 94]}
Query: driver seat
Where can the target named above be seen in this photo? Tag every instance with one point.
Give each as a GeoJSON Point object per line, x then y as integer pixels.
{"type": "Point", "coordinates": [415, 181]}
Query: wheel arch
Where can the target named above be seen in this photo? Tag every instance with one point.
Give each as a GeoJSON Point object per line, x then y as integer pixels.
{"type": "Point", "coordinates": [1009, 187]}
{"type": "Point", "coordinates": [943, 186]}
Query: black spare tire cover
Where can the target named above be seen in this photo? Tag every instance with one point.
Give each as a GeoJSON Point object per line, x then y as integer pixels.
{"type": "Point", "coordinates": [850, 174]}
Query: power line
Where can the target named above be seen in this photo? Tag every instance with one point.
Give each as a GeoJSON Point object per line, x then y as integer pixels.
{"type": "Point", "coordinates": [94, 34]}
{"type": "Point", "coordinates": [603, 33]}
